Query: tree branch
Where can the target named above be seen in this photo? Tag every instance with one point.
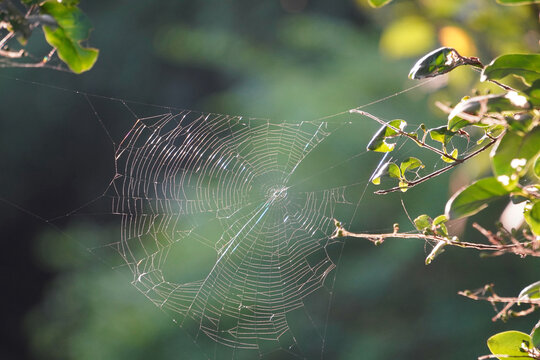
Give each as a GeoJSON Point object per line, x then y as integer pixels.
{"type": "Point", "coordinates": [410, 184]}
{"type": "Point", "coordinates": [518, 249]}
{"type": "Point", "coordinates": [407, 135]}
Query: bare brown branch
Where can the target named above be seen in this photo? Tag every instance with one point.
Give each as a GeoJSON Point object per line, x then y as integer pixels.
{"type": "Point", "coordinates": [518, 249]}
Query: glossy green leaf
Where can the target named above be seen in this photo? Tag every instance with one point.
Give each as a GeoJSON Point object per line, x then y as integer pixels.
{"type": "Point", "coordinates": [474, 198]}
{"type": "Point", "coordinates": [379, 143]}
{"type": "Point", "coordinates": [518, 2]}
{"type": "Point", "coordinates": [525, 66]}
{"type": "Point", "coordinates": [441, 134]}
{"type": "Point", "coordinates": [422, 222]}
{"type": "Point", "coordinates": [378, 3]}
{"type": "Point", "coordinates": [410, 164]}
{"type": "Point", "coordinates": [510, 344]}
{"type": "Point", "coordinates": [438, 62]}
{"type": "Point", "coordinates": [531, 291]}
{"type": "Point", "coordinates": [514, 151]}
{"type": "Point", "coordinates": [73, 27]}
{"type": "Point", "coordinates": [532, 216]}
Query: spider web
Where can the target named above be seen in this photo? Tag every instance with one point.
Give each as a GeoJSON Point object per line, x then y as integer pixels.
{"type": "Point", "coordinates": [183, 178]}
{"type": "Point", "coordinates": [256, 199]}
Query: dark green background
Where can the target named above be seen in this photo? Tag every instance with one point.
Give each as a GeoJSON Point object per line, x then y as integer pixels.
{"type": "Point", "coordinates": [61, 298]}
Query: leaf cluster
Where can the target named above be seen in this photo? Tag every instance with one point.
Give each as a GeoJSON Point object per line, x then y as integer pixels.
{"type": "Point", "coordinates": [509, 124]}
{"type": "Point", "coordinates": [64, 25]}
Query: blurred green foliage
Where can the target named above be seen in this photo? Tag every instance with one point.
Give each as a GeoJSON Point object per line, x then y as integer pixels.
{"type": "Point", "coordinates": [266, 61]}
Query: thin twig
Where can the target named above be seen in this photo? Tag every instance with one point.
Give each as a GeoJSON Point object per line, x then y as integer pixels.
{"type": "Point", "coordinates": [403, 133]}
{"type": "Point", "coordinates": [493, 299]}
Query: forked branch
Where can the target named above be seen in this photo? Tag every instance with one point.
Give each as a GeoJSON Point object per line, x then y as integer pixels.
{"type": "Point", "coordinates": [528, 248]}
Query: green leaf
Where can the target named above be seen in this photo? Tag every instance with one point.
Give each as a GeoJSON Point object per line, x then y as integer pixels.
{"type": "Point", "coordinates": [534, 93]}
{"type": "Point", "coordinates": [531, 291]}
{"type": "Point", "coordinates": [441, 219]}
{"type": "Point", "coordinates": [378, 142]}
{"type": "Point", "coordinates": [474, 198]}
{"type": "Point", "coordinates": [73, 27]}
{"type": "Point", "coordinates": [387, 169]}
{"type": "Point", "coordinates": [535, 336]}
{"type": "Point", "coordinates": [511, 344]}
{"type": "Point", "coordinates": [454, 154]}
{"type": "Point", "coordinates": [378, 3]}
{"type": "Point", "coordinates": [438, 62]}
{"type": "Point", "coordinates": [441, 134]}
{"type": "Point", "coordinates": [456, 123]}
{"type": "Point", "coordinates": [532, 216]}
{"type": "Point", "coordinates": [518, 2]}
{"type": "Point", "coordinates": [537, 167]}
{"type": "Point", "coordinates": [423, 222]}
{"type": "Point", "coordinates": [525, 66]}
{"type": "Point", "coordinates": [410, 164]}
{"type": "Point", "coordinates": [394, 171]}
{"type": "Point", "coordinates": [514, 151]}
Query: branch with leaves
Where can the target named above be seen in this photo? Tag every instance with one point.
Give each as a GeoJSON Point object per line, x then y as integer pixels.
{"type": "Point", "coordinates": [510, 125]}
{"type": "Point", "coordinates": [65, 28]}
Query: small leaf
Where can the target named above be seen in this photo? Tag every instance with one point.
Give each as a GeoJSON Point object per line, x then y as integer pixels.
{"type": "Point", "coordinates": [387, 169]}
{"type": "Point", "coordinates": [532, 216]}
{"type": "Point", "coordinates": [454, 154]}
{"type": "Point", "coordinates": [474, 198]}
{"type": "Point", "coordinates": [441, 134]}
{"type": "Point", "coordinates": [393, 171]}
{"type": "Point", "coordinates": [410, 164]}
{"type": "Point", "coordinates": [525, 66]}
{"type": "Point", "coordinates": [378, 142]}
{"type": "Point", "coordinates": [378, 3]}
{"type": "Point", "coordinates": [514, 146]}
{"type": "Point", "coordinates": [441, 230]}
{"type": "Point", "coordinates": [535, 336]}
{"type": "Point", "coordinates": [422, 222]}
{"type": "Point", "coordinates": [531, 291]}
{"type": "Point", "coordinates": [456, 123]}
{"type": "Point", "coordinates": [537, 167]}
{"type": "Point", "coordinates": [441, 219]}
{"type": "Point", "coordinates": [73, 27]}
{"type": "Point", "coordinates": [510, 344]}
{"type": "Point", "coordinates": [437, 62]}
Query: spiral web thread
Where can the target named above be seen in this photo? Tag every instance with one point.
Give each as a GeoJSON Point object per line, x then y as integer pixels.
{"type": "Point", "coordinates": [183, 178]}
